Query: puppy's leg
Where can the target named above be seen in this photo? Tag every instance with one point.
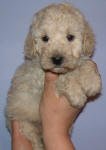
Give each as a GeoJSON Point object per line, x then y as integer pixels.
{"type": "Point", "coordinates": [69, 87]}
{"type": "Point", "coordinates": [32, 133]}
{"type": "Point", "coordinates": [89, 78]}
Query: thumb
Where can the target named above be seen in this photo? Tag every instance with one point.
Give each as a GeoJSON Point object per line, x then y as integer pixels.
{"type": "Point", "coordinates": [50, 78]}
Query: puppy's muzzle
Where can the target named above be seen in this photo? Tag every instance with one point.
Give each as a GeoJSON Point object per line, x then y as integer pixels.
{"type": "Point", "coordinates": [57, 60]}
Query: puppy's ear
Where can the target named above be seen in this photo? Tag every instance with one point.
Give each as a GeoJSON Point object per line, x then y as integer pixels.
{"type": "Point", "coordinates": [88, 41]}
{"type": "Point", "coordinates": [29, 48]}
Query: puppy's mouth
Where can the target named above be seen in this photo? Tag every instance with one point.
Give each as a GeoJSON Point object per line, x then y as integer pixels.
{"type": "Point", "coordinates": [58, 69]}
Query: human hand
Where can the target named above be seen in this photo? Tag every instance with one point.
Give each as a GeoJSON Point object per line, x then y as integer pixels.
{"type": "Point", "coordinates": [57, 117]}
{"type": "Point", "coordinates": [19, 142]}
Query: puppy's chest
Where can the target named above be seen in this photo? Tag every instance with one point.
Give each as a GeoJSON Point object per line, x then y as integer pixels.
{"type": "Point", "coordinates": [37, 79]}
{"type": "Point", "coordinates": [37, 83]}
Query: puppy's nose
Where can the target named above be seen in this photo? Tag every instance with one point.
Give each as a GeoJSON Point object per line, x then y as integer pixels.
{"type": "Point", "coordinates": [57, 60]}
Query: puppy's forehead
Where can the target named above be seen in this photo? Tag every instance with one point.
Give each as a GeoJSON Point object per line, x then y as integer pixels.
{"type": "Point", "coordinates": [59, 15]}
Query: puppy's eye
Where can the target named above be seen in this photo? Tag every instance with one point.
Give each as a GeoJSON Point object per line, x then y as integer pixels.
{"type": "Point", "coordinates": [45, 38]}
{"type": "Point", "coordinates": [70, 37]}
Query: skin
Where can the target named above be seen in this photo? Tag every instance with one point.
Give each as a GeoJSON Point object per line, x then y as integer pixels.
{"type": "Point", "coordinates": [57, 117]}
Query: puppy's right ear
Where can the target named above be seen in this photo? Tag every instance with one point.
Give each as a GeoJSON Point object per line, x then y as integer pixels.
{"type": "Point", "coordinates": [29, 48]}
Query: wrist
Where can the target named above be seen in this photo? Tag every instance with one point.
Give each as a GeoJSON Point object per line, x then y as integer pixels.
{"type": "Point", "coordinates": [50, 134]}
{"type": "Point", "coordinates": [54, 130]}
{"type": "Point", "coordinates": [56, 141]}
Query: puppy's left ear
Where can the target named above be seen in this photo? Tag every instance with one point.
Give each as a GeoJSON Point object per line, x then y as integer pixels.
{"type": "Point", "coordinates": [88, 41]}
{"type": "Point", "coordinates": [29, 48]}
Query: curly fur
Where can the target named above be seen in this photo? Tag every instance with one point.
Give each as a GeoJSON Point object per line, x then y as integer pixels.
{"type": "Point", "coordinates": [78, 76]}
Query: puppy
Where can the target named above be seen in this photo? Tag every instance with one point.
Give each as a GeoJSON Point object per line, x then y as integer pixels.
{"type": "Point", "coordinates": [59, 40]}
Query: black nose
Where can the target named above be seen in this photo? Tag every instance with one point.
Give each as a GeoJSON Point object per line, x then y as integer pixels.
{"type": "Point", "coordinates": [57, 60]}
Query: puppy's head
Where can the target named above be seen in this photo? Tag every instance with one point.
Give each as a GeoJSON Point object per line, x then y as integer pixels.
{"type": "Point", "coordinates": [60, 35]}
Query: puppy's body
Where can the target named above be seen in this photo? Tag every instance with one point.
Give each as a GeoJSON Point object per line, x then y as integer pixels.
{"type": "Point", "coordinates": [26, 91]}
{"type": "Point", "coordinates": [60, 51]}
{"type": "Point", "coordinates": [24, 99]}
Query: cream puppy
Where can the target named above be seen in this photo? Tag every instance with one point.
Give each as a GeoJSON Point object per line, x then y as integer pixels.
{"type": "Point", "coordinates": [59, 40]}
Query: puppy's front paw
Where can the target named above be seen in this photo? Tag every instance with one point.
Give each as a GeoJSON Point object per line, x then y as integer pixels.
{"type": "Point", "coordinates": [76, 97]}
{"type": "Point", "coordinates": [93, 85]}
{"type": "Point", "coordinates": [90, 79]}
{"type": "Point", "coordinates": [72, 90]}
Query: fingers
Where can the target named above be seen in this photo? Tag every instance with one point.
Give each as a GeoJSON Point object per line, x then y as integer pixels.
{"type": "Point", "coordinates": [19, 142]}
